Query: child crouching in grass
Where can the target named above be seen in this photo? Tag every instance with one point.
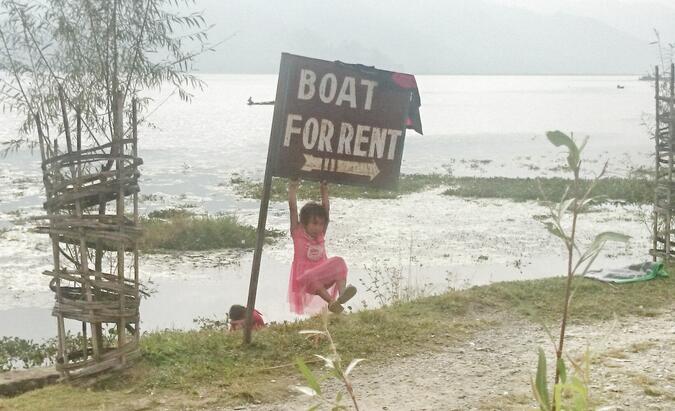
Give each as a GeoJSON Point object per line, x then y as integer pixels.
{"type": "Point", "coordinates": [237, 317]}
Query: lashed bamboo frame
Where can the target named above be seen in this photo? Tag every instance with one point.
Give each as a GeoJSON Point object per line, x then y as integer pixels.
{"type": "Point", "coordinates": [81, 187]}
{"type": "Point", "coordinates": [664, 186]}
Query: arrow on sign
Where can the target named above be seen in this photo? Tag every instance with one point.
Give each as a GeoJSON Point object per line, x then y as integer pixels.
{"type": "Point", "coordinates": [368, 168]}
{"type": "Point", "coordinates": [360, 168]}
{"type": "Point", "coordinates": [312, 163]}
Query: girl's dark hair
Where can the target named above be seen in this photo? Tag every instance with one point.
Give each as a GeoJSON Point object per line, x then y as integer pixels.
{"type": "Point", "coordinates": [237, 312]}
{"type": "Point", "coordinates": [311, 210]}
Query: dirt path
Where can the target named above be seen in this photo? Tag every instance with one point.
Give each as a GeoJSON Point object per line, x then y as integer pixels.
{"type": "Point", "coordinates": [633, 369]}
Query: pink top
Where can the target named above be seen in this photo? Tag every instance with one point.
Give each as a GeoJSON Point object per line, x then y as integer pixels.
{"type": "Point", "coordinates": [308, 253]}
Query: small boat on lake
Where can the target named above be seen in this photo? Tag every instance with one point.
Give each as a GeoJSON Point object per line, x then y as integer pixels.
{"type": "Point", "coordinates": [250, 102]}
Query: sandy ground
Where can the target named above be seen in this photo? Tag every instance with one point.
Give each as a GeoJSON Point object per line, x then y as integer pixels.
{"type": "Point", "coordinates": [633, 368]}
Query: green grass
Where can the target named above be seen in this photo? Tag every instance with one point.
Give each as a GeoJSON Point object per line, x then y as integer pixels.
{"type": "Point", "coordinates": [187, 367]}
{"type": "Point", "coordinates": [408, 183]}
{"type": "Point", "coordinates": [169, 213]}
{"type": "Point", "coordinates": [631, 190]}
{"type": "Point", "coordinates": [523, 189]}
{"type": "Point", "coordinates": [181, 230]}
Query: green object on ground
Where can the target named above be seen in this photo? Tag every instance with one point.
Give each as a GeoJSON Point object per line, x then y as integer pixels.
{"type": "Point", "coordinates": [631, 274]}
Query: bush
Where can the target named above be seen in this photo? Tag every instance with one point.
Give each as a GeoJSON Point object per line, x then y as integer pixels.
{"type": "Point", "coordinates": [182, 231]}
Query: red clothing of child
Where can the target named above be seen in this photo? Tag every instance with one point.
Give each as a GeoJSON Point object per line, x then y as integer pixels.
{"type": "Point", "coordinates": [258, 322]}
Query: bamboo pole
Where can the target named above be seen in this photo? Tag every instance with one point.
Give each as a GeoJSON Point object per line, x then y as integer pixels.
{"type": "Point", "coordinates": [671, 138]}
{"type": "Point", "coordinates": [83, 244]}
{"type": "Point", "coordinates": [118, 150]}
{"type": "Point", "coordinates": [668, 214]}
{"type": "Point", "coordinates": [119, 166]}
{"type": "Point", "coordinates": [41, 139]}
{"type": "Point", "coordinates": [75, 171]}
{"type": "Point", "coordinates": [657, 136]}
{"type": "Point", "coordinates": [44, 153]}
{"type": "Point", "coordinates": [62, 99]}
{"type": "Point", "coordinates": [78, 115]}
{"type": "Point", "coordinates": [134, 134]}
{"type": "Point", "coordinates": [56, 256]}
{"type": "Point", "coordinates": [272, 150]}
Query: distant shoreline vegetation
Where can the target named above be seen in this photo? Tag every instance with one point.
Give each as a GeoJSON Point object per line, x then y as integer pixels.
{"type": "Point", "coordinates": [629, 190]}
{"type": "Point", "coordinates": [411, 183]}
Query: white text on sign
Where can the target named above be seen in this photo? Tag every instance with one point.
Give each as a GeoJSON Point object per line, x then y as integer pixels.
{"type": "Point", "coordinates": [360, 141]}
{"type": "Point", "coordinates": [328, 89]}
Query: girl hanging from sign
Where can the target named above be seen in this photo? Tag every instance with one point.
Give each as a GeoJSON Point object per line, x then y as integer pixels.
{"type": "Point", "coordinates": [314, 276]}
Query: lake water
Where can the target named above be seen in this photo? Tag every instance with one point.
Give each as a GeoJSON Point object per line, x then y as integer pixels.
{"type": "Point", "coordinates": [474, 126]}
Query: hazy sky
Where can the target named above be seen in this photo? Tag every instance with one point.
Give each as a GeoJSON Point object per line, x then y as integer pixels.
{"type": "Point", "coordinates": [573, 5]}
{"type": "Point", "coordinates": [443, 36]}
{"type": "Point", "coordinates": [638, 17]}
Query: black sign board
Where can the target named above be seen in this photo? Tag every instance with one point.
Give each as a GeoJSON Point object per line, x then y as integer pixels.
{"type": "Point", "coordinates": [339, 122]}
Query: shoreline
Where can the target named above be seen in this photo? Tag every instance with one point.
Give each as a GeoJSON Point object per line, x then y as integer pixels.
{"type": "Point", "coordinates": [210, 367]}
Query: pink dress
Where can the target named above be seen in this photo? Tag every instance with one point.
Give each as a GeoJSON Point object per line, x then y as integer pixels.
{"type": "Point", "coordinates": [312, 268]}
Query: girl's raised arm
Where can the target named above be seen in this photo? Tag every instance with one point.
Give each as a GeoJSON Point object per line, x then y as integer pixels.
{"type": "Point", "coordinates": [293, 202]}
{"type": "Point", "coordinates": [324, 200]}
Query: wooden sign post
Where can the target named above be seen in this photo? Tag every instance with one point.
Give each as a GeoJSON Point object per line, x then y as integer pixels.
{"type": "Point", "coordinates": [337, 122]}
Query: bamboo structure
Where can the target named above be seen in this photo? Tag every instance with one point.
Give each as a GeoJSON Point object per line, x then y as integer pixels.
{"type": "Point", "coordinates": [92, 234]}
{"type": "Point", "coordinates": [664, 187]}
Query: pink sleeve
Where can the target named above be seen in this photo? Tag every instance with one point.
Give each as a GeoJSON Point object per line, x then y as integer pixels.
{"type": "Point", "coordinates": [295, 234]}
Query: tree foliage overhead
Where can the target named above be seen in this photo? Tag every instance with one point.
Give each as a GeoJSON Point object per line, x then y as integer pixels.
{"type": "Point", "coordinates": [98, 55]}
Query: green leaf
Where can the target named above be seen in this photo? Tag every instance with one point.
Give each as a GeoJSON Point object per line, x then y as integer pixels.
{"type": "Point", "coordinates": [337, 405]}
{"type": "Point", "coordinates": [337, 373]}
{"type": "Point", "coordinates": [308, 375]}
{"type": "Point", "coordinates": [557, 396]}
{"type": "Point", "coordinates": [305, 390]}
{"type": "Point", "coordinates": [540, 381]}
{"type": "Point", "coordinates": [598, 243]}
{"type": "Point", "coordinates": [562, 371]}
{"type": "Point", "coordinates": [558, 138]}
{"type": "Point", "coordinates": [352, 364]}
{"type": "Point", "coordinates": [327, 361]}
{"type": "Point", "coordinates": [583, 144]}
{"type": "Point", "coordinates": [312, 332]}
{"type": "Point", "coordinates": [543, 406]}
{"type": "Point", "coordinates": [592, 199]}
{"type": "Point", "coordinates": [555, 229]}
{"type": "Point", "coordinates": [578, 385]}
{"type": "Point", "coordinates": [605, 236]}
{"type": "Point", "coordinates": [564, 206]}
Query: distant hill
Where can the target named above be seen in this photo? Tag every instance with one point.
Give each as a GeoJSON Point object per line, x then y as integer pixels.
{"type": "Point", "coordinates": [432, 36]}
